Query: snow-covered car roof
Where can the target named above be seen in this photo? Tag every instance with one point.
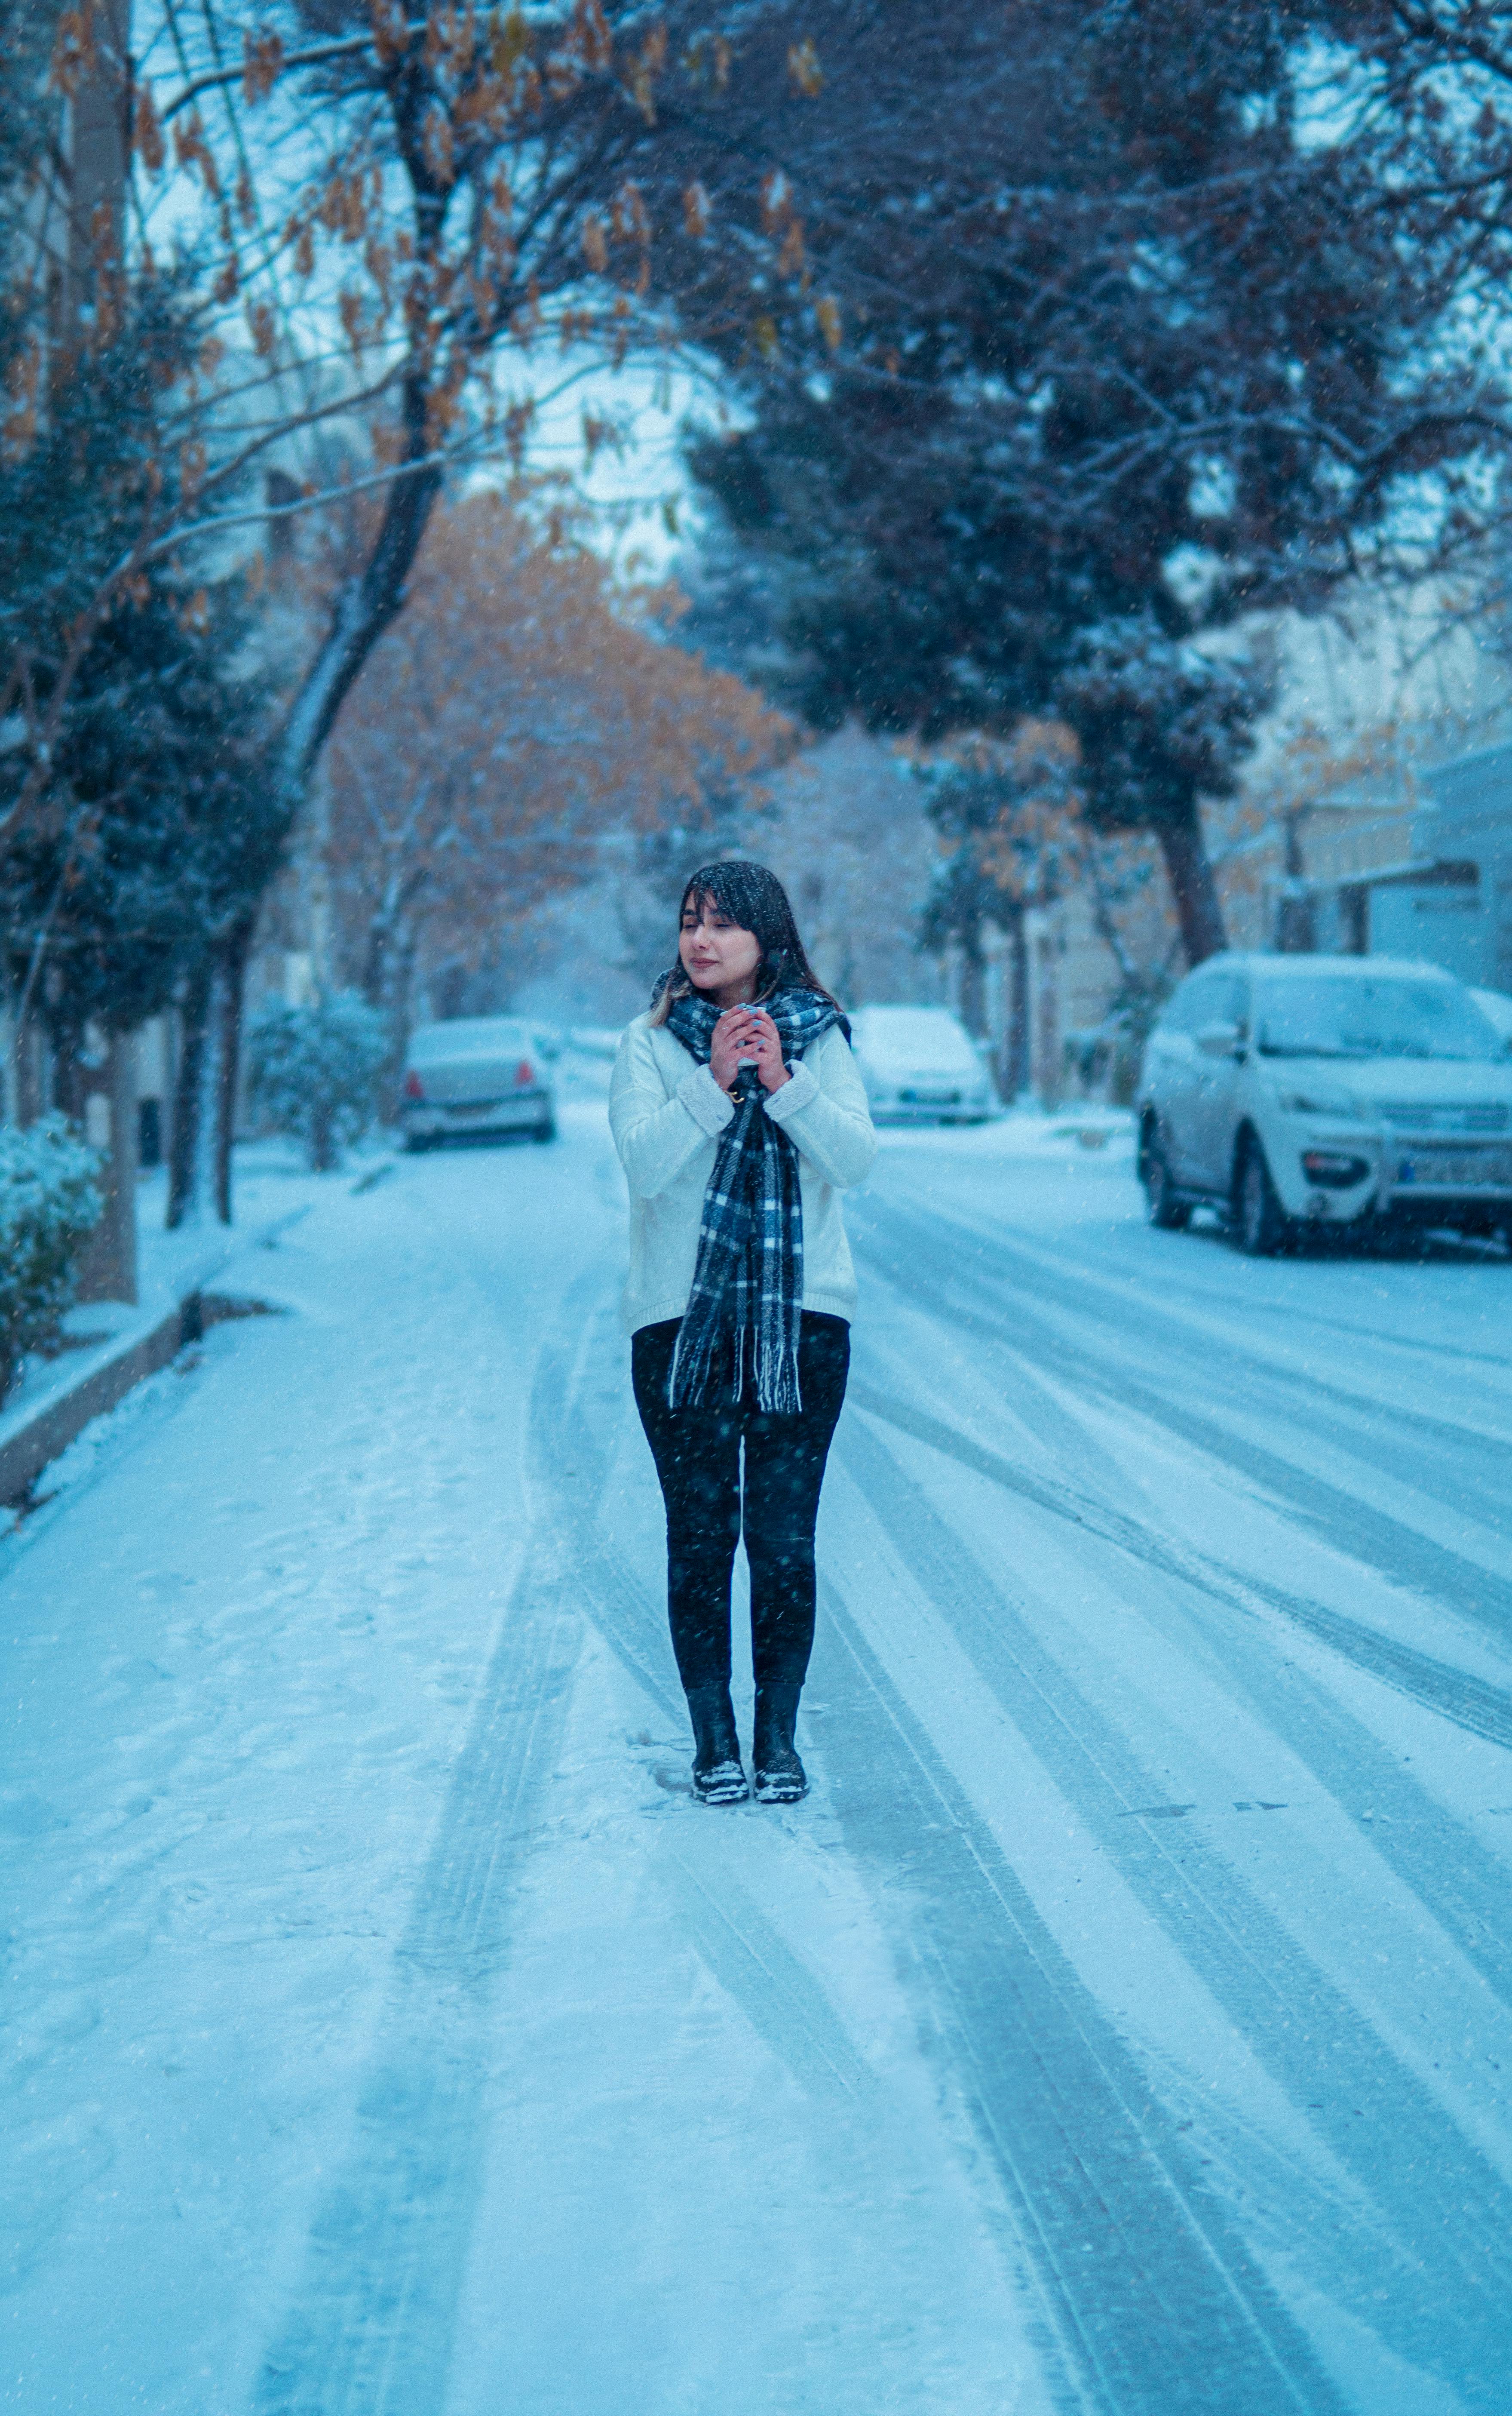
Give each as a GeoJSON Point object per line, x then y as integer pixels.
{"type": "Point", "coordinates": [910, 1020]}
{"type": "Point", "coordinates": [468, 1035]}
{"type": "Point", "coordinates": [918, 1036]}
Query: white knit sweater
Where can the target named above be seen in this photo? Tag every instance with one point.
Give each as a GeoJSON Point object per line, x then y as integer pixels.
{"type": "Point", "coordinates": [665, 1113]}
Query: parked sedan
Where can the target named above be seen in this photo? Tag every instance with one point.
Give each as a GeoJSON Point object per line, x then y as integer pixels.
{"type": "Point", "coordinates": [1324, 1090]}
{"type": "Point", "coordinates": [919, 1065]}
{"type": "Point", "coordinates": [476, 1074]}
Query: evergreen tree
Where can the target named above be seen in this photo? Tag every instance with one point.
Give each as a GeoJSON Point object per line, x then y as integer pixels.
{"type": "Point", "coordinates": [1114, 352]}
{"type": "Point", "coordinates": [156, 831]}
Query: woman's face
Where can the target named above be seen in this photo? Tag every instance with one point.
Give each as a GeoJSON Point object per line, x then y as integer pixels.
{"type": "Point", "coordinates": [718, 956]}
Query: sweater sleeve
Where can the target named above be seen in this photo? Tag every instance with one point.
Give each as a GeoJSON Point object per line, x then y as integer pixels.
{"type": "Point", "coordinates": [822, 1109]}
{"type": "Point", "coordinates": [657, 1132]}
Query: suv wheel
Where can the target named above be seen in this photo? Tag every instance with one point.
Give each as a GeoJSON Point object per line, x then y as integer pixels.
{"type": "Point", "coordinates": [1259, 1225]}
{"type": "Point", "coordinates": [1166, 1212]}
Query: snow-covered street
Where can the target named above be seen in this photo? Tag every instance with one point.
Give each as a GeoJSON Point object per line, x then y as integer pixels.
{"type": "Point", "coordinates": [1125, 2022]}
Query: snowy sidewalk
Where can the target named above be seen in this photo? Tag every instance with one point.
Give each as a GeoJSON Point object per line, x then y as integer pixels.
{"type": "Point", "coordinates": [1121, 2025]}
{"type": "Point", "coordinates": [111, 1346]}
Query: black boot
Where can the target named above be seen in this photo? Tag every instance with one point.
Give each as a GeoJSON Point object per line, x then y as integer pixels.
{"type": "Point", "coordinates": [780, 1776]}
{"type": "Point", "coordinates": [717, 1775]}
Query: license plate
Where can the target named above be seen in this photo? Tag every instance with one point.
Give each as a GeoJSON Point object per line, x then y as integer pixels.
{"type": "Point", "coordinates": [1473, 1169]}
{"type": "Point", "coordinates": [473, 1107]}
{"type": "Point", "coordinates": [931, 1098]}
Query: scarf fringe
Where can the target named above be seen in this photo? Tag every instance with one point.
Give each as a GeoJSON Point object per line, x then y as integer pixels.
{"type": "Point", "coordinates": [776, 1379]}
{"type": "Point", "coordinates": [773, 1367]}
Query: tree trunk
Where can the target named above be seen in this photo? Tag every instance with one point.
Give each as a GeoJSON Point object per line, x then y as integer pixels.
{"type": "Point", "coordinates": [193, 1114]}
{"type": "Point", "coordinates": [28, 1081]}
{"type": "Point", "coordinates": [230, 993]}
{"type": "Point", "coordinates": [390, 950]}
{"type": "Point", "coordinates": [972, 987]}
{"type": "Point", "coordinates": [205, 1111]}
{"type": "Point", "coordinates": [1190, 876]}
{"type": "Point", "coordinates": [102, 1102]}
{"type": "Point", "coordinates": [365, 606]}
{"type": "Point", "coordinates": [1296, 918]}
{"type": "Point", "coordinates": [1018, 1016]}
{"type": "Point", "coordinates": [375, 958]}
{"type": "Point", "coordinates": [66, 1097]}
{"type": "Point", "coordinates": [205, 1090]}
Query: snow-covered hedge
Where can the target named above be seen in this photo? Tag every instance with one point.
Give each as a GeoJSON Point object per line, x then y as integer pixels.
{"type": "Point", "coordinates": [49, 1203]}
{"type": "Point", "coordinates": [314, 1070]}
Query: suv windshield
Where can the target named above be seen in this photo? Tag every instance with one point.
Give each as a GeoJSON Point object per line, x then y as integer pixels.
{"type": "Point", "coordinates": [1349, 1017]}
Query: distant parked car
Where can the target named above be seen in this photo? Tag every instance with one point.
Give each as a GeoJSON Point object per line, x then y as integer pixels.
{"type": "Point", "coordinates": [920, 1067]}
{"type": "Point", "coordinates": [1326, 1091]}
{"type": "Point", "coordinates": [478, 1073]}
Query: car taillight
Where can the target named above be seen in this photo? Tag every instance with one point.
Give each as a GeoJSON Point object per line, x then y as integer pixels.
{"type": "Point", "coordinates": [413, 1087]}
{"type": "Point", "coordinates": [524, 1075]}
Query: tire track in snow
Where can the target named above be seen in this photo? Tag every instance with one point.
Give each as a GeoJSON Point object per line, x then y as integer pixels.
{"type": "Point", "coordinates": [1382, 1435]}
{"type": "Point", "coordinates": [370, 2333]}
{"type": "Point", "coordinates": [1463, 1885]}
{"type": "Point", "coordinates": [1447, 2291]}
{"type": "Point", "coordinates": [1196, 1306]}
{"type": "Point", "coordinates": [1460, 1466]}
{"type": "Point", "coordinates": [1378, 1433]}
{"type": "Point", "coordinates": [1154, 2300]}
{"type": "Point", "coordinates": [1471, 1702]}
{"type": "Point", "coordinates": [1400, 1553]}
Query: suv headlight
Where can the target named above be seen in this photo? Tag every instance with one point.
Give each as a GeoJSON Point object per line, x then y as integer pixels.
{"type": "Point", "coordinates": [1319, 1100]}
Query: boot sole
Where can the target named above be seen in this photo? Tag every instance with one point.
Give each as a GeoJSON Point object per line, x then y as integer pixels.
{"type": "Point", "coordinates": [729, 1790]}
{"type": "Point", "coordinates": [780, 1790]}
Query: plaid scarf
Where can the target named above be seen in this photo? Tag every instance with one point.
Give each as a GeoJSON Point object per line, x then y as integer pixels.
{"type": "Point", "coordinates": [748, 1283]}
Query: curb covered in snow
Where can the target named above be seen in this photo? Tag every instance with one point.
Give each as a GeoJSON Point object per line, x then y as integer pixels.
{"type": "Point", "coordinates": [99, 1374]}
{"type": "Point", "coordinates": [35, 1432]}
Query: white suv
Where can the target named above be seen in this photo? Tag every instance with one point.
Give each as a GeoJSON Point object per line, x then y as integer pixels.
{"type": "Point", "coordinates": [1318, 1091]}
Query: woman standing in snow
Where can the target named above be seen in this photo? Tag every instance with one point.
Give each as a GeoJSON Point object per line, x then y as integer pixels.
{"type": "Point", "coordinates": [738, 1115]}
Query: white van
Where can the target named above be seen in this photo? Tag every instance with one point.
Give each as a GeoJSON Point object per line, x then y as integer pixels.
{"type": "Point", "coordinates": [1296, 1091]}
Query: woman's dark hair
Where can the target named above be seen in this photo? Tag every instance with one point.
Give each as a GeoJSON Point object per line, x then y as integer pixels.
{"type": "Point", "coordinates": [755, 899]}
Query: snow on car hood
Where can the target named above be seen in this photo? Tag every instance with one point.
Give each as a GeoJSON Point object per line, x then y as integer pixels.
{"type": "Point", "coordinates": [1381, 1081]}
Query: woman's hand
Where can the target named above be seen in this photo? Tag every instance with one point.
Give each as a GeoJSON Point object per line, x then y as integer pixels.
{"type": "Point", "coordinates": [767, 1049]}
{"type": "Point", "coordinates": [747, 1035]}
{"type": "Point", "coordinates": [733, 1039]}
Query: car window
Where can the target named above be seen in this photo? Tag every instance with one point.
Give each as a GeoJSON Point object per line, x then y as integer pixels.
{"type": "Point", "coordinates": [1196, 1002]}
{"type": "Point", "coordinates": [1230, 999]}
{"type": "Point", "coordinates": [1209, 998]}
{"type": "Point", "coordinates": [1388, 1016]}
{"type": "Point", "coordinates": [1174, 1014]}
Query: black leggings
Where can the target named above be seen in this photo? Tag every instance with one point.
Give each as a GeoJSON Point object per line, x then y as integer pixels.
{"type": "Point", "coordinates": [698, 1455]}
